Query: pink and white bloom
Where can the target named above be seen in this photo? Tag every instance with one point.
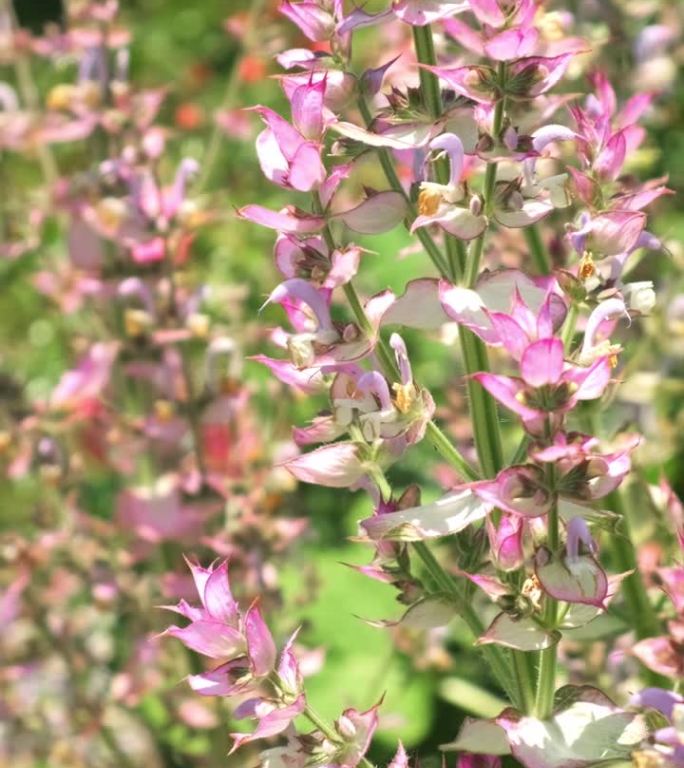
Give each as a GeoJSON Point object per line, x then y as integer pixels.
{"type": "Point", "coordinates": [450, 206]}
{"type": "Point", "coordinates": [548, 386]}
{"type": "Point", "coordinates": [287, 157]}
{"type": "Point", "coordinates": [219, 629]}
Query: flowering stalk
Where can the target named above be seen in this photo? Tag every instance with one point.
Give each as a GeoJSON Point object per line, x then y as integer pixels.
{"type": "Point", "coordinates": [546, 685]}
{"type": "Point", "coordinates": [541, 553]}
{"type": "Point", "coordinates": [538, 252]}
{"type": "Point", "coordinates": [483, 407]}
{"type": "Point", "coordinates": [466, 268]}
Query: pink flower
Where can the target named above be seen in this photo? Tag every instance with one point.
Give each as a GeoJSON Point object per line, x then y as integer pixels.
{"type": "Point", "coordinates": [527, 77]}
{"type": "Point", "coordinates": [85, 383]}
{"type": "Point", "coordinates": [667, 742]}
{"type": "Point", "coordinates": [507, 308]}
{"type": "Point", "coordinates": [309, 258]}
{"type": "Point", "coordinates": [573, 577]}
{"type": "Point", "coordinates": [548, 386]}
{"type": "Point", "coordinates": [288, 158]}
{"type": "Point", "coordinates": [219, 629]}
{"type": "Point", "coordinates": [157, 513]}
{"type": "Point", "coordinates": [313, 20]}
{"type": "Point", "coordinates": [663, 654]}
{"type": "Point", "coordinates": [585, 474]}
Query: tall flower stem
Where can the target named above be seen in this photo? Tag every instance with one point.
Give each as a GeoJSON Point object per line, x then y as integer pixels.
{"type": "Point", "coordinates": [546, 684]}
{"type": "Point", "coordinates": [540, 256]}
{"type": "Point", "coordinates": [429, 82]}
{"type": "Point", "coordinates": [475, 358]}
{"type": "Point", "coordinates": [568, 332]}
{"type": "Point", "coordinates": [483, 408]}
{"type": "Point", "coordinates": [475, 255]}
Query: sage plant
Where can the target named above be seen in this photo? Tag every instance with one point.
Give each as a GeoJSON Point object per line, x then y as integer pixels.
{"type": "Point", "coordinates": [480, 142]}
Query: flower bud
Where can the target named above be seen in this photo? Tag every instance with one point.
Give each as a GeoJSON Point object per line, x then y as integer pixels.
{"type": "Point", "coordinates": [640, 296]}
{"type": "Point", "coordinates": [475, 205]}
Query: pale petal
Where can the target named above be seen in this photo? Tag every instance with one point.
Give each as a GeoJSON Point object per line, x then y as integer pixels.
{"type": "Point", "coordinates": [450, 514]}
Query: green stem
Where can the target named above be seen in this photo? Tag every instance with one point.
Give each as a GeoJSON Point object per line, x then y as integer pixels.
{"type": "Point", "coordinates": [429, 82]}
{"type": "Point", "coordinates": [317, 721]}
{"type": "Point", "coordinates": [642, 615]}
{"type": "Point", "coordinates": [540, 255]}
{"type": "Point", "coordinates": [524, 680]}
{"type": "Point", "coordinates": [521, 451]}
{"type": "Point", "coordinates": [546, 684]}
{"type": "Point", "coordinates": [546, 687]}
{"type": "Point", "coordinates": [445, 447]}
{"type": "Point", "coordinates": [432, 98]}
{"type": "Point", "coordinates": [483, 409]}
{"type": "Point", "coordinates": [568, 333]}
{"type": "Point", "coordinates": [475, 256]}
{"type": "Point", "coordinates": [445, 583]}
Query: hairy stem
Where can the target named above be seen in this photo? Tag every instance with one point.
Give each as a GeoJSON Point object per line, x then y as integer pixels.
{"type": "Point", "coordinates": [429, 82]}
{"type": "Point", "coordinates": [568, 332]}
{"type": "Point", "coordinates": [540, 256]}
{"type": "Point", "coordinates": [494, 655]}
{"type": "Point", "coordinates": [546, 686]}
{"type": "Point", "coordinates": [475, 255]}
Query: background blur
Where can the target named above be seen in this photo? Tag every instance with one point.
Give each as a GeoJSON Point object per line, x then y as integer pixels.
{"type": "Point", "coordinates": [213, 58]}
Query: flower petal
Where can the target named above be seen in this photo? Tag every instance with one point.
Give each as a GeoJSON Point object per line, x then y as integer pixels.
{"type": "Point", "coordinates": [450, 514]}
{"type": "Point", "coordinates": [522, 634]}
{"type": "Point", "coordinates": [378, 213]}
{"type": "Point", "coordinates": [542, 362]}
{"type": "Point", "coordinates": [334, 466]}
{"type": "Point", "coordinates": [585, 733]}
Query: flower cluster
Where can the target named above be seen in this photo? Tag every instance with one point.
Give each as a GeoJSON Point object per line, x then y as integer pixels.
{"type": "Point", "coordinates": [484, 146]}
{"type": "Point", "coordinates": [487, 143]}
